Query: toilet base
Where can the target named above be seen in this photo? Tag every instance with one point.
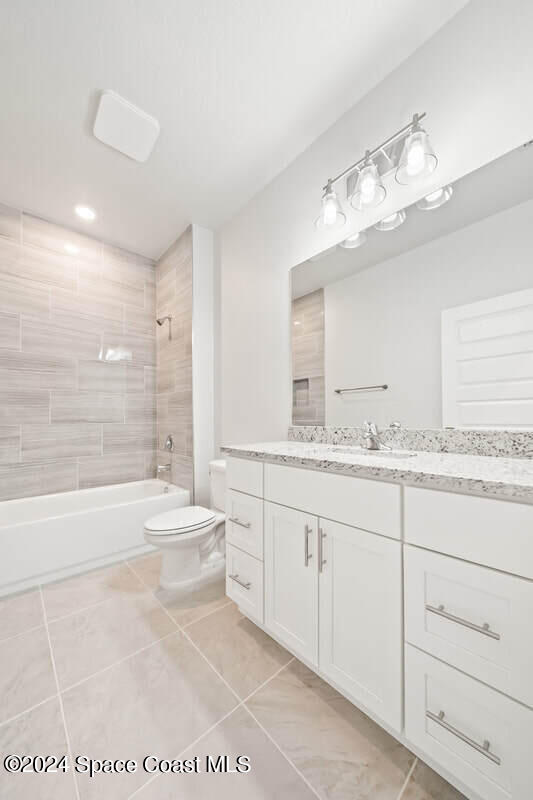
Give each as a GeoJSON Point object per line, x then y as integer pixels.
{"type": "Point", "coordinates": [191, 559]}
{"type": "Point", "coordinates": [172, 578]}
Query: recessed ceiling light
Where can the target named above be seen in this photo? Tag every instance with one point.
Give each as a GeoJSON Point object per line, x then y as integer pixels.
{"type": "Point", "coordinates": [86, 213]}
{"type": "Point", "coordinates": [71, 249]}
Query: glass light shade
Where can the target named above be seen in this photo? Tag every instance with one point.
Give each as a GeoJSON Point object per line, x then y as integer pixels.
{"type": "Point", "coordinates": [392, 221]}
{"type": "Point", "coordinates": [331, 216]}
{"type": "Point", "coordinates": [418, 158]}
{"type": "Point", "coordinates": [435, 199]}
{"type": "Point", "coordinates": [354, 241]}
{"type": "Point", "coordinates": [369, 191]}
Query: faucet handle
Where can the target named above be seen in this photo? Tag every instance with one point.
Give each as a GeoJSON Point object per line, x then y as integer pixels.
{"type": "Point", "coordinates": [370, 428]}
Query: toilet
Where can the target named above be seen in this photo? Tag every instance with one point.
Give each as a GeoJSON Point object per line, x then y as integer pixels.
{"type": "Point", "coordinates": [191, 539]}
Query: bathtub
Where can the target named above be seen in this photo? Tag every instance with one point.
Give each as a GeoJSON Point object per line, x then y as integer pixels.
{"type": "Point", "coordinates": [52, 536]}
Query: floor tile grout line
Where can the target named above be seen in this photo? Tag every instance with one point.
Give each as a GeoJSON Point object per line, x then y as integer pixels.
{"type": "Point", "coordinates": [120, 661]}
{"type": "Point", "coordinates": [209, 614]}
{"type": "Point", "coordinates": [408, 778]}
{"type": "Point", "coordinates": [283, 753]}
{"type": "Point", "coordinates": [21, 633]}
{"type": "Point", "coordinates": [28, 710]}
{"type": "Point", "coordinates": [60, 699]}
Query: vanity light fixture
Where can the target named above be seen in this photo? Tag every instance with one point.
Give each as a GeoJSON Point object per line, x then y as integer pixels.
{"type": "Point", "coordinates": [435, 199]}
{"type": "Point", "coordinates": [418, 159]}
{"type": "Point", "coordinates": [407, 154]}
{"type": "Point", "coordinates": [86, 213]}
{"type": "Point", "coordinates": [392, 221]}
{"type": "Point", "coordinates": [356, 240]}
{"type": "Point", "coordinates": [331, 216]}
{"type": "Point", "coordinates": [71, 249]}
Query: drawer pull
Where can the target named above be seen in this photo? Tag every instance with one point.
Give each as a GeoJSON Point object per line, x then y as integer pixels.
{"type": "Point", "coordinates": [237, 521]}
{"type": "Point", "coordinates": [244, 585]}
{"type": "Point", "coordinates": [307, 555]}
{"type": "Point", "coordinates": [484, 748]}
{"type": "Point", "coordinates": [484, 629]}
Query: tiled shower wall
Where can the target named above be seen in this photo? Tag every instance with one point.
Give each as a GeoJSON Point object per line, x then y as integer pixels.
{"type": "Point", "coordinates": [174, 359]}
{"type": "Point", "coordinates": [77, 360]}
{"type": "Point", "coordinates": [308, 406]}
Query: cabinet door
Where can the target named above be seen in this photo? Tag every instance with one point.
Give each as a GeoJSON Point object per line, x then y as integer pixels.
{"type": "Point", "coordinates": [361, 617]}
{"type": "Point", "coordinates": [291, 579]}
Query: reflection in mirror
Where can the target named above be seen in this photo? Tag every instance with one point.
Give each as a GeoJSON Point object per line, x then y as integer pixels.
{"type": "Point", "coordinates": [428, 322]}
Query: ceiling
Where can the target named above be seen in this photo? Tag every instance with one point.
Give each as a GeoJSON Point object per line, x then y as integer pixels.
{"type": "Point", "coordinates": [501, 184]}
{"type": "Point", "coordinates": [240, 88]}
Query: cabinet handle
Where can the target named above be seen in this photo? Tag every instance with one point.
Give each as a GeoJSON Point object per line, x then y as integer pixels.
{"type": "Point", "coordinates": [307, 555]}
{"type": "Point", "coordinates": [484, 748]}
{"type": "Point", "coordinates": [237, 521]}
{"type": "Point", "coordinates": [321, 560]}
{"type": "Point", "coordinates": [440, 611]}
{"type": "Point", "coordinates": [241, 583]}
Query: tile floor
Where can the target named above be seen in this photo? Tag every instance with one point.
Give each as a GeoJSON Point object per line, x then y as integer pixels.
{"type": "Point", "coordinates": [108, 665]}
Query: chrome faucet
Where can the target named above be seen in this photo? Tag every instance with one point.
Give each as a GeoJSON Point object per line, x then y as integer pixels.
{"type": "Point", "coordinates": [372, 440]}
{"type": "Point", "coordinates": [163, 468]}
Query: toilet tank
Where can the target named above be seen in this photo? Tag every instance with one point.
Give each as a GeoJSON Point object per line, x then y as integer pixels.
{"type": "Point", "coordinates": [217, 479]}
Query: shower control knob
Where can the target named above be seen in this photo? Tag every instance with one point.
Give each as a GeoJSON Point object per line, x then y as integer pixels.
{"type": "Point", "coordinates": [169, 443]}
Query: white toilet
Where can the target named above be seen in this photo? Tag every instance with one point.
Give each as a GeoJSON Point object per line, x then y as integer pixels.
{"type": "Point", "coordinates": [191, 538]}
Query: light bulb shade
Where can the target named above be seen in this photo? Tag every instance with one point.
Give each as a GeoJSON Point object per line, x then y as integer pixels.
{"type": "Point", "coordinates": [351, 242]}
{"type": "Point", "coordinates": [435, 199]}
{"type": "Point", "coordinates": [369, 191]}
{"type": "Point", "coordinates": [418, 159]}
{"type": "Point", "coordinates": [331, 215]}
{"type": "Point", "coordinates": [392, 221]}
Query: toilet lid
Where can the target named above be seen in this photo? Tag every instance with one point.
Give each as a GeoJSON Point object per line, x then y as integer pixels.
{"type": "Point", "coordinates": [180, 520]}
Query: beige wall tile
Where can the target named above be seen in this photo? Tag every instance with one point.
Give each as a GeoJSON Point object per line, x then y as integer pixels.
{"type": "Point", "coordinates": [10, 223]}
{"type": "Point", "coordinates": [149, 380]}
{"type": "Point", "coordinates": [102, 376]}
{"type": "Point", "coordinates": [85, 313]}
{"type": "Point", "coordinates": [182, 469]}
{"type": "Point", "coordinates": [41, 233]}
{"type": "Point", "coordinates": [109, 469]}
{"type": "Point", "coordinates": [9, 444]}
{"type": "Point", "coordinates": [18, 407]}
{"type": "Point", "coordinates": [39, 336]}
{"type": "Point", "coordinates": [10, 331]}
{"type": "Point", "coordinates": [22, 296]}
{"type": "Point", "coordinates": [25, 371]}
{"type": "Point", "coordinates": [41, 265]}
{"type": "Point", "coordinates": [99, 286]}
{"type": "Point", "coordinates": [60, 441]}
{"type": "Point", "coordinates": [46, 477]}
{"type": "Point", "coordinates": [86, 407]}
{"type": "Point", "coordinates": [140, 349]}
{"type": "Point", "coordinates": [140, 408]}
{"type": "Point", "coordinates": [129, 438]}
{"type": "Point", "coordinates": [122, 265]}
{"type": "Point", "coordinates": [150, 464]}
{"type": "Point", "coordinates": [137, 320]}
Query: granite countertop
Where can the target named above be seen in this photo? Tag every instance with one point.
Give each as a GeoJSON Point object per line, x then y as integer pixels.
{"type": "Point", "coordinates": [486, 476]}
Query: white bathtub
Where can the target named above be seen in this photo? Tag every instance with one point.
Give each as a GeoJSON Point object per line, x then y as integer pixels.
{"type": "Point", "coordinates": [55, 535]}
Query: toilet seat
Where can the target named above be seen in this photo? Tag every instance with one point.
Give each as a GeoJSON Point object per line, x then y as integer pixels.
{"type": "Point", "coordinates": [180, 521]}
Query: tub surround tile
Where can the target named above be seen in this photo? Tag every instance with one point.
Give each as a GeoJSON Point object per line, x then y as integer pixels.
{"type": "Point", "coordinates": [128, 438]}
{"type": "Point", "coordinates": [26, 371]}
{"type": "Point", "coordinates": [9, 444]}
{"type": "Point", "coordinates": [86, 642]}
{"type": "Point", "coordinates": [103, 376]}
{"type": "Point", "coordinates": [150, 464]}
{"type": "Point", "coordinates": [182, 469]}
{"type": "Point", "coordinates": [39, 232]}
{"type": "Point", "coordinates": [60, 441]}
{"type": "Point", "coordinates": [341, 752]}
{"type": "Point", "coordinates": [149, 375]}
{"type": "Point", "coordinates": [482, 476]}
{"type": "Point", "coordinates": [10, 331]}
{"type": "Point", "coordinates": [20, 613]}
{"type": "Point", "coordinates": [21, 296]}
{"type": "Point", "coordinates": [140, 408]}
{"type": "Point", "coordinates": [109, 469]}
{"type": "Point", "coordinates": [271, 775]}
{"type": "Point", "coordinates": [425, 784]}
{"type": "Point", "coordinates": [39, 731]}
{"type": "Point", "coordinates": [26, 673]}
{"type": "Point", "coordinates": [84, 313]}
{"type": "Point", "coordinates": [505, 444]}
{"type": "Point", "coordinates": [19, 407]}
{"type": "Point", "coordinates": [38, 265]}
{"type": "Point", "coordinates": [166, 695]}
{"type": "Point", "coordinates": [86, 407]}
{"type": "Point", "coordinates": [139, 321]}
{"type": "Point", "coordinates": [240, 651]}
{"type": "Point", "coordinates": [98, 286]}
{"type": "Point", "coordinates": [86, 590]}
{"type": "Point", "coordinates": [10, 223]}
{"type": "Point", "coordinates": [134, 346]}
{"type": "Point", "coordinates": [39, 336]}
{"type": "Point", "coordinates": [45, 477]}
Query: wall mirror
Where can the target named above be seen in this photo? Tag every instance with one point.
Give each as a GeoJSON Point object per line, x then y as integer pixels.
{"type": "Point", "coordinates": [428, 322]}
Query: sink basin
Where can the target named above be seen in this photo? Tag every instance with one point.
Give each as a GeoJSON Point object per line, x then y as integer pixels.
{"type": "Point", "coordinates": [362, 451]}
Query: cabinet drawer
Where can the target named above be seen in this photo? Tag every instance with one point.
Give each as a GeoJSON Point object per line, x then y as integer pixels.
{"type": "Point", "coordinates": [370, 505]}
{"type": "Point", "coordinates": [495, 533]}
{"type": "Point", "coordinates": [245, 476]}
{"type": "Point", "coordinates": [472, 617]}
{"type": "Point", "coordinates": [244, 522]}
{"type": "Point", "coordinates": [244, 582]}
{"type": "Point", "coordinates": [472, 731]}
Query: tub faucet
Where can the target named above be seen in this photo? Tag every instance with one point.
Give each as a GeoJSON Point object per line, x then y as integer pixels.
{"type": "Point", "coordinates": [371, 437]}
{"type": "Point", "coordinates": [163, 468]}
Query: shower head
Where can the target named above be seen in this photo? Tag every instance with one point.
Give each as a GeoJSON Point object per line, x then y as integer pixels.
{"type": "Point", "coordinates": [161, 320]}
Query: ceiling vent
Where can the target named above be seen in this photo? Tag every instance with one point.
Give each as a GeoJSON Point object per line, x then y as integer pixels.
{"type": "Point", "coordinates": [125, 127]}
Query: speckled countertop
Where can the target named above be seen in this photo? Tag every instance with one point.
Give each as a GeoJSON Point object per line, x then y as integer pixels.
{"type": "Point", "coordinates": [487, 476]}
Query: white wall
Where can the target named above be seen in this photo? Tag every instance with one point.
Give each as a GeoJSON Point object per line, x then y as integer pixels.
{"type": "Point", "coordinates": [473, 79]}
{"type": "Point", "coordinates": [383, 325]}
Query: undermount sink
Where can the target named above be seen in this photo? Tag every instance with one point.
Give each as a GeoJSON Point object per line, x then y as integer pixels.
{"type": "Point", "coordinates": [362, 451]}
